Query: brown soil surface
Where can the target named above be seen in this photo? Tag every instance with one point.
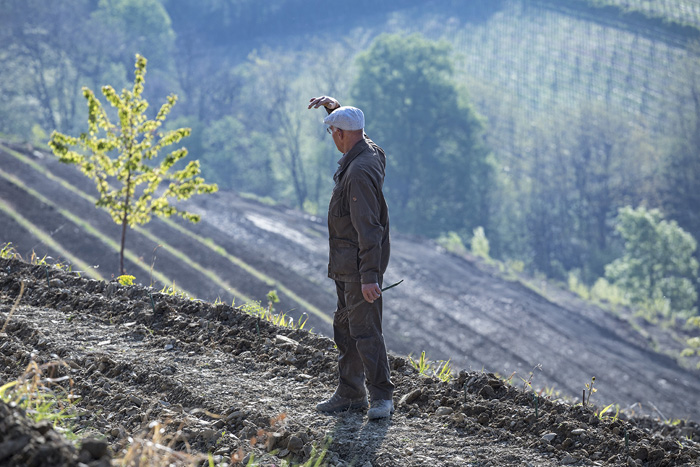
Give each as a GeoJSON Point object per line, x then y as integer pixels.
{"type": "Point", "coordinates": [223, 377]}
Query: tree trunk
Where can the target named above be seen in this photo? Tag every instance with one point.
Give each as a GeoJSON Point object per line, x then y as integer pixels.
{"type": "Point", "coordinates": [124, 224]}
{"type": "Point", "coordinates": [121, 251]}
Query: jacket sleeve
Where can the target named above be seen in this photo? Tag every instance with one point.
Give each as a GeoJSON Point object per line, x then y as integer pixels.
{"type": "Point", "coordinates": [364, 215]}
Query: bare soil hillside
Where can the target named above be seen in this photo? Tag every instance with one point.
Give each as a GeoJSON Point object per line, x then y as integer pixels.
{"type": "Point", "coordinates": [452, 307]}
{"type": "Point", "coordinates": [237, 387]}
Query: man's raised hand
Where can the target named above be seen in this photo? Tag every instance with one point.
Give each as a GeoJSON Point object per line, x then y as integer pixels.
{"type": "Point", "coordinates": [325, 101]}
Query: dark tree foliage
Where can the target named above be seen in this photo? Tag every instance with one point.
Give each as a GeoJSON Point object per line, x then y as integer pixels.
{"type": "Point", "coordinates": [580, 175]}
{"type": "Point", "coordinates": [438, 175]}
{"type": "Point", "coordinates": [49, 50]}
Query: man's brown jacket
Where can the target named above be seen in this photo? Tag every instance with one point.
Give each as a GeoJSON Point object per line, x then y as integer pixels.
{"type": "Point", "coordinates": [358, 218]}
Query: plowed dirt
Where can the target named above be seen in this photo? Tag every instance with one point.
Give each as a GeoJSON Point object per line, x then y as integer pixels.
{"type": "Point", "coordinates": [237, 386]}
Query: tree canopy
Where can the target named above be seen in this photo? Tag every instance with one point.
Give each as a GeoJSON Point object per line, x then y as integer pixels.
{"type": "Point", "coordinates": [118, 158]}
{"type": "Point", "coordinates": [439, 173]}
{"type": "Point", "coordinates": [657, 268]}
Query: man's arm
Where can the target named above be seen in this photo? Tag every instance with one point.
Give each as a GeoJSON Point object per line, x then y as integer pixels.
{"type": "Point", "coordinates": [364, 211]}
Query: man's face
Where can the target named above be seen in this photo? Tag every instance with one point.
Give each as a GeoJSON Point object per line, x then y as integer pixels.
{"type": "Point", "coordinates": [337, 135]}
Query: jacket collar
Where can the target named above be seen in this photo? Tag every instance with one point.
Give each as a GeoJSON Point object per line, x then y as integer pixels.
{"type": "Point", "coordinates": [349, 156]}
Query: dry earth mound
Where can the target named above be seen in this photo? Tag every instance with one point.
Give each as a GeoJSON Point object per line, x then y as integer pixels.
{"type": "Point", "coordinates": [230, 384]}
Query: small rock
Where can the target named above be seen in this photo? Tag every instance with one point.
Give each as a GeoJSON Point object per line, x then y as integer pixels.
{"type": "Point", "coordinates": [111, 288]}
{"type": "Point", "coordinates": [483, 418]}
{"type": "Point", "coordinates": [135, 400]}
{"type": "Point", "coordinates": [95, 448]}
{"type": "Point", "coordinates": [295, 444]}
{"type": "Point", "coordinates": [58, 283]}
{"type": "Point", "coordinates": [568, 460]}
{"type": "Point", "coordinates": [443, 411]}
{"type": "Point", "coordinates": [487, 392]}
{"type": "Point", "coordinates": [642, 453]}
{"type": "Point", "coordinates": [578, 431]}
{"type": "Point", "coordinates": [273, 440]}
{"type": "Point", "coordinates": [73, 364]}
{"type": "Point", "coordinates": [458, 418]}
{"type": "Point", "coordinates": [410, 397]}
{"type": "Point", "coordinates": [284, 341]}
{"type": "Point", "coordinates": [549, 437]}
{"type": "Point", "coordinates": [233, 415]}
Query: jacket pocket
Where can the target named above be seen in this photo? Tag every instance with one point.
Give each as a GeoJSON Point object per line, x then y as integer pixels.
{"type": "Point", "coordinates": [337, 207]}
{"type": "Point", "coordinates": [344, 257]}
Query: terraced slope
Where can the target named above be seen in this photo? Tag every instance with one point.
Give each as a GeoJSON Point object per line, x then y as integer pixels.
{"type": "Point", "coordinates": [536, 61]}
{"type": "Point", "coordinates": [42, 195]}
{"type": "Point", "coordinates": [451, 307]}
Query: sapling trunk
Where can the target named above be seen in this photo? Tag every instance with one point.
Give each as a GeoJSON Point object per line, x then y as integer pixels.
{"type": "Point", "coordinates": [125, 222]}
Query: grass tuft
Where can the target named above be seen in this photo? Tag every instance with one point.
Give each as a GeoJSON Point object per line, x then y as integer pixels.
{"type": "Point", "coordinates": [42, 397]}
{"type": "Point", "coordinates": [440, 369]}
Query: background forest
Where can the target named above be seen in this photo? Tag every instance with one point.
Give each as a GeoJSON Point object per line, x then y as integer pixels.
{"type": "Point", "coordinates": [559, 137]}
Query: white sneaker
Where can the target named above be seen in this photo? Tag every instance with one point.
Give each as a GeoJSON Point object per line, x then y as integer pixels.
{"type": "Point", "coordinates": [380, 409]}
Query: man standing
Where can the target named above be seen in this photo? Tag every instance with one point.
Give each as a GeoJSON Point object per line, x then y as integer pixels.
{"type": "Point", "coordinates": [358, 229]}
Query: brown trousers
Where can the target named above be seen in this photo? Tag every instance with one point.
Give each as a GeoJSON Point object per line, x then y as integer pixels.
{"type": "Point", "coordinates": [361, 346]}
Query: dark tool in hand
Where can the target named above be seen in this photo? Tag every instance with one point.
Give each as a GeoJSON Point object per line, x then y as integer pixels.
{"type": "Point", "coordinates": [341, 315]}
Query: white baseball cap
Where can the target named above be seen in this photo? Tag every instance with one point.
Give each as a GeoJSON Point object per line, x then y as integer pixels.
{"type": "Point", "coordinates": [346, 118]}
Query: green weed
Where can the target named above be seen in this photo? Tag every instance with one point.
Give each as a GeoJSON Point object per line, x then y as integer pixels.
{"type": "Point", "coordinates": [591, 390]}
{"type": "Point", "coordinates": [175, 292]}
{"type": "Point", "coordinates": [422, 364]}
{"type": "Point", "coordinates": [9, 252]}
{"type": "Point", "coordinates": [42, 398]}
{"type": "Point", "coordinates": [604, 410]}
{"type": "Point", "coordinates": [549, 392]}
{"type": "Point", "coordinates": [255, 309]}
{"type": "Point", "coordinates": [440, 369]}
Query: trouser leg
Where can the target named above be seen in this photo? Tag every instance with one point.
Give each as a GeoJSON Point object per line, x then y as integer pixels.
{"type": "Point", "coordinates": [361, 346]}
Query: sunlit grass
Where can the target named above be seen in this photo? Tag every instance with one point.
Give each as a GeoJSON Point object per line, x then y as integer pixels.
{"type": "Point", "coordinates": [44, 398]}
{"type": "Point", "coordinates": [440, 369]}
{"type": "Point", "coordinates": [255, 309]}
